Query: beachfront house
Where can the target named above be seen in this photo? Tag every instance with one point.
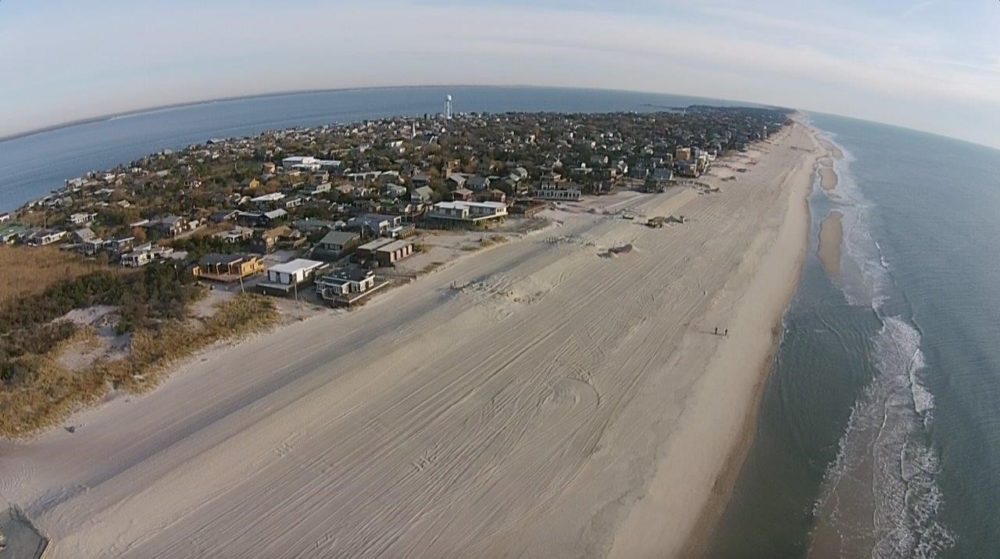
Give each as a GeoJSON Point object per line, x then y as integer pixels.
{"type": "Point", "coordinates": [565, 192]}
{"type": "Point", "coordinates": [346, 286]}
{"type": "Point", "coordinates": [227, 267]}
{"type": "Point", "coordinates": [385, 252]}
{"type": "Point", "coordinates": [468, 212]}
{"type": "Point", "coordinates": [285, 278]}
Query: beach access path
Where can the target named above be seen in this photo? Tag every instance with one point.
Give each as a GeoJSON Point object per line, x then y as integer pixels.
{"type": "Point", "coordinates": [541, 398]}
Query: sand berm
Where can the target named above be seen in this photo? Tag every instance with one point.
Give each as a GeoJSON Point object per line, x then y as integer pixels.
{"type": "Point", "coordinates": [542, 398]}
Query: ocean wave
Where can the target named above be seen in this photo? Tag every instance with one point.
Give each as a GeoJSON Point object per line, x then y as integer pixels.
{"type": "Point", "coordinates": [885, 465]}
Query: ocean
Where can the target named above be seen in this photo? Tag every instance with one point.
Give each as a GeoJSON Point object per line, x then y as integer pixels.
{"type": "Point", "coordinates": [879, 431]}
{"type": "Point", "coordinates": [879, 428]}
{"type": "Point", "coordinates": [31, 166]}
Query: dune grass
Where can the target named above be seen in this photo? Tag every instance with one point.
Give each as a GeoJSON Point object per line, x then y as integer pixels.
{"type": "Point", "coordinates": [31, 270]}
{"type": "Point", "coordinates": [45, 393]}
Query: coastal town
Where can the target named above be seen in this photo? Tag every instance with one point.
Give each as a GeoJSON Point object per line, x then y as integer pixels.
{"type": "Point", "coordinates": [332, 210]}
{"type": "Point", "coordinates": [521, 280]}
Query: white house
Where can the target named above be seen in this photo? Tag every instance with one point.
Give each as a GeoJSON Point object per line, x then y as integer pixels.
{"type": "Point", "coordinates": [470, 212]}
{"type": "Point", "coordinates": [554, 191]}
{"type": "Point", "coordinates": [82, 218]}
{"type": "Point", "coordinates": [284, 277]}
{"type": "Point", "coordinates": [345, 286]}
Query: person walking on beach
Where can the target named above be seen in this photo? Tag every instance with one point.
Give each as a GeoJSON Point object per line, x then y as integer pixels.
{"type": "Point", "coordinates": [716, 330]}
{"type": "Point", "coordinates": [727, 332]}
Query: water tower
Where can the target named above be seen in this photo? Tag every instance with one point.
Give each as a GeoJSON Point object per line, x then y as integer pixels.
{"type": "Point", "coordinates": [447, 107]}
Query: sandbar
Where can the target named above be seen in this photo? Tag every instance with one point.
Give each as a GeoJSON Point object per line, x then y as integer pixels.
{"type": "Point", "coordinates": [831, 234]}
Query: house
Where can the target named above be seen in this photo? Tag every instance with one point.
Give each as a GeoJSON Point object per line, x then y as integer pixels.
{"type": "Point", "coordinates": [227, 267]}
{"type": "Point", "coordinates": [82, 218]}
{"type": "Point", "coordinates": [420, 179]}
{"type": "Point", "coordinates": [172, 225]}
{"type": "Point", "coordinates": [456, 181]}
{"type": "Point", "coordinates": [662, 174]}
{"type": "Point", "coordinates": [12, 233]}
{"type": "Point", "coordinates": [346, 286]}
{"type": "Point", "coordinates": [293, 203]}
{"type": "Point", "coordinates": [267, 241]}
{"type": "Point", "coordinates": [421, 195]}
{"type": "Point", "coordinates": [388, 254]}
{"type": "Point", "coordinates": [301, 163]}
{"type": "Point", "coordinates": [267, 200]}
{"type": "Point", "coordinates": [249, 219]}
{"type": "Point", "coordinates": [236, 235]}
{"type": "Point", "coordinates": [477, 183]}
{"type": "Point", "coordinates": [268, 219]}
{"type": "Point", "coordinates": [44, 237]}
{"type": "Point", "coordinates": [468, 212]}
{"type": "Point", "coordinates": [136, 259]}
{"type": "Point", "coordinates": [321, 189]}
{"type": "Point", "coordinates": [687, 168]}
{"type": "Point", "coordinates": [119, 246]}
{"type": "Point", "coordinates": [565, 192]}
{"type": "Point", "coordinates": [284, 278]}
{"type": "Point", "coordinates": [92, 246]}
{"type": "Point", "coordinates": [4, 217]}
{"type": "Point", "coordinates": [83, 235]}
{"type": "Point", "coordinates": [377, 225]}
{"type": "Point", "coordinates": [268, 168]}
{"type": "Point", "coordinates": [392, 190]}
{"type": "Point", "coordinates": [496, 195]}
{"type": "Point", "coordinates": [223, 216]}
{"type": "Point", "coordinates": [310, 226]}
{"type": "Point", "coordinates": [338, 243]}
{"type": "Point", "coordinates": [462, 195]}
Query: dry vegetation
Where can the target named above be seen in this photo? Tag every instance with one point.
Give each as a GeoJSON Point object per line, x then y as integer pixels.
{"type": "Point", "coordinates": [48, 396]}
{"type": "Point", "coordinates": [29, 271]}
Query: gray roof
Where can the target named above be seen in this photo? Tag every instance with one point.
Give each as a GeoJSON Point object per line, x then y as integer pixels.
{"type": "Point", "coordinates": [338, 237]}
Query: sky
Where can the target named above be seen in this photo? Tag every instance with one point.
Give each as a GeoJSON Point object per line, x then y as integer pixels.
{"type": "Point", "coordinates": [932, 65]}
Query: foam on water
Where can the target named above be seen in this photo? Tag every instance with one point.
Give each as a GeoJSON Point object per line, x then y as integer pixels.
{"type": "Point", "coordinates": [884, 454]}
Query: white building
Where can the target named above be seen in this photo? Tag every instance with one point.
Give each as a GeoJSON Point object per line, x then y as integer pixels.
{"type": "Point", "coordinates": [469, 212]}
{"type": "Point", "coordinates": [82, 218]}
{"type": "Point", "coordinates": [308, 163]}
{"type": "Point", "coordinates": [346, 286]}
{"type": "Point", "coordinates": [284, 277]}
{"type": "Point", "coordinates": [553, 191]}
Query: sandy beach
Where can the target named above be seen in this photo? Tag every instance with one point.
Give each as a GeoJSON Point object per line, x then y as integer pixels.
{"type": "Point", "coordinates": [543, 398]}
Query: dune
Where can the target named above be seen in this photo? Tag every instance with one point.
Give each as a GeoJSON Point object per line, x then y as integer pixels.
{"type": "Point", "coordinates": [558, 404]}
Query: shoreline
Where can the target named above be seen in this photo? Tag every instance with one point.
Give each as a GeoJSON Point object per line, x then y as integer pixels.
{"type": "Point", "coordinates": [696, 540]}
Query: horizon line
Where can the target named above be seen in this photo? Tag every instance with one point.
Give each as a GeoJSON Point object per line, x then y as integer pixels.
{"type": "Point", "coordinates": [293, 92]}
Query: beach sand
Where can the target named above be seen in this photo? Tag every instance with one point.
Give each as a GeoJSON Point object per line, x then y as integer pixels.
{"type": "Point", "coordinates": [557, 402]}
{"type": "Point", "coordinates": [831, 235]}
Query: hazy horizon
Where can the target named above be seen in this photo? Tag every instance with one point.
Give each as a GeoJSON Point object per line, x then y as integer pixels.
{"type": "Point", "coordinates": [926, 65]}
{"type": "Point", "coordinates": [180, 104]}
